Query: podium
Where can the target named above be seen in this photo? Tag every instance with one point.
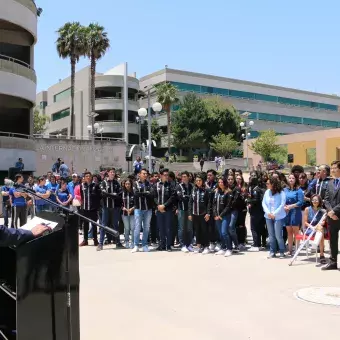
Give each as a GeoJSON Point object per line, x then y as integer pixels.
{"type": "Point", "coordinates": [39, 285]}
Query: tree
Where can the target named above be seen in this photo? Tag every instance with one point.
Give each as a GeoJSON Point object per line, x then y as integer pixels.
{"type": "Point", "coordinates": [39, 123]}
{"type": "Point", "coordinates": [188, 123]}
{"type": "Point", "coordinates": [71, 44]}
{"type": "Point", "coordinates": [156, 132]}
{"type": "Point", "coordinates": [96, 45]}
{"type": "Point", "coordinates": [224, 144]}
{"type": "Point", "coordinates": [266, 145]}
{"type": "Point", "coordinates": [222, 118]}
{"type": "Point", "coordinates": [167, 95]}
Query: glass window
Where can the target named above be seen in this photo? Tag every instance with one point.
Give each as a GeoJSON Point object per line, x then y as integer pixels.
{"type": "Point", "coordinates": [311, 121]}
{"type": "Point", "coordinates": [266, 97]}
{"type": "Point", "coordinates": [305, 103]}
{"type": "Point", "coordinates": [241, 94]}
{"type": "Point", "coordinates": [289, 101]}
{"type": "Point", "coordinates": [291, 119]}
{"type": "Point", "coordinates": [328, 107]}
{"type": "Point", "coordinates": [62, 95]}
{"type": "Point", "coordinates": [60, 115]}
{"type": "Point", "coordinates": [329, 123]}
{"type": "Point", "coordinates": [222, 92]}
{"type": "Point", "coordinates": [43, 105]}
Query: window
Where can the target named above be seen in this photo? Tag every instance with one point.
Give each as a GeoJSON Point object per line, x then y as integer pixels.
{"type": "Point", "coordinates": [329, 123]}
{"type": "Point", "coordinates": [291, 119]}
{"type": "Point", "coordinates": [62, 95]}
{"type": "Point", "coordinates": [311, 121]}
{"type": "Point", "coordinates": [250, 95]}
{"type": "Point", "coordinates": [60, 115]}
{"type": "Point", "coordinates": [42, 105]}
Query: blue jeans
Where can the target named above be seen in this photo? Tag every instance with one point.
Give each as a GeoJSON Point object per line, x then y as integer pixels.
{"type": "Point", "coordinates": [164, 222]}
{"type": "Point", "coordinates": [185, 230]}
{"type": "Point", "coordinates": [5, 213]}
{"type": "Point", "coordinates": [43, 207]}
{"type": "Point", "coordinates": [110, 218]}
{"type": "Point", "coordinates": [275, 234]}
{"type": "Point", "coordinates": [222, 226]}
{"type": "Point", "coordinates": [142, 217]}
{"type": "Point", "coordinates": [231, 231]}
{"type": "Point", "coordinates": [129, 226]}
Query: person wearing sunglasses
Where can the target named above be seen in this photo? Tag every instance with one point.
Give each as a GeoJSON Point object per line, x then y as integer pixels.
{"type": "Point", "coordinates": [311, 217]}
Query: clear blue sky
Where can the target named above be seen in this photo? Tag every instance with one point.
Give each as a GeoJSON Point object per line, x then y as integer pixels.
{"type": "Point", "coordinates": [294, 43]}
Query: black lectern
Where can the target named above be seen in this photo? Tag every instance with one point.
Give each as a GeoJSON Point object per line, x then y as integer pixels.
{"type": "Point", "coordinates": [39, 285]}
{"type": "Point", "coordinates": [39, 282]}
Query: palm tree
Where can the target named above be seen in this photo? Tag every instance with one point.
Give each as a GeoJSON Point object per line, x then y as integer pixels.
{"type": "Point", "coordinates": [97, 43]}
{"type": "Point", "coordinates": [167, 95]}
{"type": "Point", "coordinates": [71, 44]}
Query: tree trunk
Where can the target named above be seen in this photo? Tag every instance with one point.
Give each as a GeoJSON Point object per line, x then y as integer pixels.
{"type": "Point", "coordinates": [73, 77]}
{"type": "Point", "coordinates": [168, 116]}
{"type": "Point", "coordinates": [93, 81]}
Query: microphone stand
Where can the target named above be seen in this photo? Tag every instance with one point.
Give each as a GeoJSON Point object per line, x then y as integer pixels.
{"type": "Point", "coordinates": [67, 214]}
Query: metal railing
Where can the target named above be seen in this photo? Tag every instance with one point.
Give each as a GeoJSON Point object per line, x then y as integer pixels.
{"type": "Point", "coordinates": [30, 4]}
{"type": "Point", "coordinates": [16, 66]}
{"type": "Point", "coordinates": [15, 135]}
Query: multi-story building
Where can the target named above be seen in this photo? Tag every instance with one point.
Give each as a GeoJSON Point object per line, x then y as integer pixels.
{"type": "Point", "coordinates": [283, 109]}
{"type": "Point", "coordinates": [109, 105]}
{"type": "Point", "coordinates": [18, 35]}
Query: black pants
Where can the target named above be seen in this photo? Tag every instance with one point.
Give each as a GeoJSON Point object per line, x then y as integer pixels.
{"type": "Point", "coordinates": [334, 228]}
{"type": "Point", "coordinates": [92, 215]}
{"type": "Point", "coordinates": [174, 228]}
{"type": "Point", "coordinates": [21, 214]}
{"type": "Point", "coordinates": [241, 229]}
{"type": "Point", "coordinates": [258, 229]}
{"type": "Point", "coordinates": [154, 232]}
{"type": "Point", "coordinates": [201, 228]}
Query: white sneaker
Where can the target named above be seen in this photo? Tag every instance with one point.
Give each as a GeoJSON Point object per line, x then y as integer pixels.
{"type": "Point", "coordinates": [145, 249]}
{"type": "Point", "coordinates": [185, 249]}
{"type": "Point", "coordinates": [197, 250]}
{"type": "Point", "coordinates": [135, 249]}
{"type": "Point", "coordinates": [190, 248]}
{"type": "Point", "coordinates": [254, 249]}
{"type": "Point", "coordinates": [127, 245]}
{"type": "Point", "coordinates": [206, 251]}
{"type": "Point", "coordinates": [228, 253]}
{"type": "Point", "coordinates": [220, 252]}
{"type": "Point", "coordinates": [212, 247]}
{"type": "Point", "coordinates": [218, 247]}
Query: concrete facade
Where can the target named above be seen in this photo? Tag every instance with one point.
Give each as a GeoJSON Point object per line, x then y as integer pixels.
{"type": "Point", "coordinates": [18, 35]}
{"type": "Point", "coordinates": [285, 110]}
{"type": "Point", "coordinates": [326, 146]}
{"type": "Point", "coordinates": [109, 104]}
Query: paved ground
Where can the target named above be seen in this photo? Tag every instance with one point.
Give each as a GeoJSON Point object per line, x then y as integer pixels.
{"type": "Point", "coordinates": [167, 296]}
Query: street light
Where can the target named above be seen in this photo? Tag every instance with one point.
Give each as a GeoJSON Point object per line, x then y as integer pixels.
{"type": "Point", "coordinates": [142, 113]}
{"type": "Point", "coordinates": [246, 127]}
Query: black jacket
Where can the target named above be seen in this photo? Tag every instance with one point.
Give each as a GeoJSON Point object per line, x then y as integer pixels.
{"type": "Point", "coordinates": [221, 203]}
{"type": "Point", "coordinates": [237, 200]}
{"type": "Point", "coordinates": [200, 202]}
{"type": "Point", "coordinates": [111, 191]}
{"type": "Point", "coordinates": [164, 194]}
{"type": "Point", "coordinates": [143, 195]}
{"type": "Point", "coordinates": [183, 195]}
{"type": "Point", "coordinates": [90, 196]}
{"type": "Point", "coordinates": [255, 197]}
{"type": "Point", "coordinates": [332, 199]}
{"type": "Point", "coordinates": [128, 200]}
{"type": "Point", "coordinates": [319, 188]}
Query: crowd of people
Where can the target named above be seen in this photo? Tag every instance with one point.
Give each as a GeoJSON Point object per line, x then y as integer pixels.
{"type": "Point", "coordinates": [200, 213]}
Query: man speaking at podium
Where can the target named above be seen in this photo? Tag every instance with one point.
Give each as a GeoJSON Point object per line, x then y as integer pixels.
{"type": "Point", "coordinates": [10, 237]}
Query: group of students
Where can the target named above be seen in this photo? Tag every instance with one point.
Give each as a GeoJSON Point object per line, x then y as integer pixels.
{"type": "Point", "coordinates": [202, 213]}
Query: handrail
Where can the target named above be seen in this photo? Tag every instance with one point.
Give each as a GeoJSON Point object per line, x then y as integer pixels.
{"type": "Point", "coordinates": [14, 60]}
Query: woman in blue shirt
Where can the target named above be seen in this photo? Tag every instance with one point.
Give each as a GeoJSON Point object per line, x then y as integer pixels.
{"type": "Point", "coordinates": [294, 201]}
{"type": "Point", "coordinates": [63, 196]}
{"type": "Point", "coordinates": [273, 203]}
{"type": "Point", "coordinates": [53, 187]}
{"type": "Point", "coordinates": [42, 190]}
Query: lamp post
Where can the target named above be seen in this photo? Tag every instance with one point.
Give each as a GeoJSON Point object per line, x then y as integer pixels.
{"type": "Point", "coordinates": [93, 130]}
{"type": "Point", "coordinates": [142, 113]}
{"type": "Point", "coordinates": [246, 127]}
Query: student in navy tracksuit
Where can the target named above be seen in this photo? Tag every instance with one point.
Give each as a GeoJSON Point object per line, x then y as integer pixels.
{"type": "Point", "coordinates": [5, 201]}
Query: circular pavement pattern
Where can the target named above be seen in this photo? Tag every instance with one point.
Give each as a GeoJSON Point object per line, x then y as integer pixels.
{"type": "Point", "coordinates": [321, 295]}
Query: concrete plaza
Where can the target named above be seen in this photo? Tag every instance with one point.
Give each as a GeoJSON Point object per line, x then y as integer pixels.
{"type": "Point", "coordinates": [160, 295]}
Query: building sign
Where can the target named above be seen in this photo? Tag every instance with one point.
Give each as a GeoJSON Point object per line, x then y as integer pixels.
{"type": "Point", "coordinates": [74, 148]}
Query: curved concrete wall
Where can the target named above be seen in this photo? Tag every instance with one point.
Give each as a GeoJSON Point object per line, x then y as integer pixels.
{"type": "Point", "coordinates": [114, 104]}
{"type": "Point", "coordinates": [118, 127]}
{"type": "Point", "coordinates": [20, 12]}
{"type": "Point", "coordinates": [116, 81]}
{"type": "Point", "coordinates": [17, 85]}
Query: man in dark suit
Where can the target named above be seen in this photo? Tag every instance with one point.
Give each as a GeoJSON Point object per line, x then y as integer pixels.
{"type": "Point", "coordinates": [10, 237]}
{"type": "Point", "coordinates": [332, 204]}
